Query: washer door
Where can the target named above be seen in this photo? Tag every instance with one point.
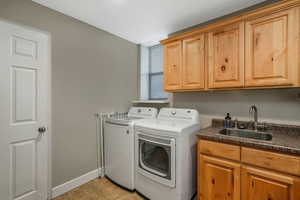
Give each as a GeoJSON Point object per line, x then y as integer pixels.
{"type": "Point", "coordinates": [157, 158]}
{"type": "Point", "coordinates": [119, 154]}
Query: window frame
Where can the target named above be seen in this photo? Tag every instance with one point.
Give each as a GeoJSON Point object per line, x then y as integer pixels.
{"type": "Point", "coordinates": [150, 88]}
{"type": "Point", "coordinates": [150, 74]}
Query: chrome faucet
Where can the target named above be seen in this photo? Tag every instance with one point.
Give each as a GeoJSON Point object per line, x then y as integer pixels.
{"type": "Point", "coordinates": [253, 111]}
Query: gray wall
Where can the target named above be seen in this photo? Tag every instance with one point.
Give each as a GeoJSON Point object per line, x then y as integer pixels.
{"type": "Point", "coordinates": [273, 104]}
{"type": "Point", "coordinates": [92, 71]}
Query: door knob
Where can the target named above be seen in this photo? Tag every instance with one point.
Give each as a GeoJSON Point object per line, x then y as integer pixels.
{"type": "Point", "coordinates": [42, 129]}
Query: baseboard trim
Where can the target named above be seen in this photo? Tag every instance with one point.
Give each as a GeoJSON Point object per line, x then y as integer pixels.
{"type": "Point", "coordinates": [70, 185]}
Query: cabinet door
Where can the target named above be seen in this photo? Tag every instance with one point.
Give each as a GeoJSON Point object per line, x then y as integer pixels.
{"type": "Point", "coordinates": [219, 179]}
{"type": "Point", "coordinates": [193, 67]}
{"type": "Point", "coordinates": [226, 57]}
{"type": "Point", "coordinates": [259, 184]}
{"type": "Point", "coordinates": [172, 66]}
{"type": "Point", "coordinates": [271, 50]}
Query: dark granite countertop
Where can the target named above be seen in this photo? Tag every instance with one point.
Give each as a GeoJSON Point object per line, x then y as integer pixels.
{"type": "Point", "coordinates": [286, 138]}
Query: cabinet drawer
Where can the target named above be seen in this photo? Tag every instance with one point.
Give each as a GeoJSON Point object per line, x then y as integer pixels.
{"type": "Point", "coordinates": [270, 160]}
{"type": "Point", "coordinates": [219, 149]}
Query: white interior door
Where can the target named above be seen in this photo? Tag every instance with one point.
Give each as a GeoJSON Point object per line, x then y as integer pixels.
{"type": "Point", "coordinates": [24, 100]}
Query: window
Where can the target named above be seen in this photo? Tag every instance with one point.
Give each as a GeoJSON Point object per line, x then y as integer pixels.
{"type": "Point", "coordinates": [152, 73]}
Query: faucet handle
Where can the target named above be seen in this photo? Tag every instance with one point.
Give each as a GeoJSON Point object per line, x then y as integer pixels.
{"type": "Point", "coordinates": [236, 123]}
{"type": "Point", "coordinates": [262, 126]}
{"type": "Point", "coordinates": [250, 125]}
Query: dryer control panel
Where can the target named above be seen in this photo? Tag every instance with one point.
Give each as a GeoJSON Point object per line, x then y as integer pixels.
{"type": "Point", "coordinates": [142, 112]}
{"type": "Point", "coordinates": [179, 113]}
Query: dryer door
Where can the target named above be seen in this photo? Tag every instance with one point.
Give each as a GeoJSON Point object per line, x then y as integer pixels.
{"type": "Point", "coordinates": [157, 158]}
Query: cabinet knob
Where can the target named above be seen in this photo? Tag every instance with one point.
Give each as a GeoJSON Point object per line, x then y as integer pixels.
{"type": "Point", "coordinates": [269, 197]}
{"type": "Point", "coordinates": [213, 181]}
{"type": "Point", "coordinates": [256, 39]}
{"type": "Point", "coordinates": [223, 68]}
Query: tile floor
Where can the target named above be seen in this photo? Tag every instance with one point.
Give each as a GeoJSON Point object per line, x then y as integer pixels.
{"type": "Point", "coordinates": [99, 189]}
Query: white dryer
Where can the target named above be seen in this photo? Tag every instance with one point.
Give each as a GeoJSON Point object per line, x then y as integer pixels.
{"type": "Point", "coordinates": [165, 154]}
{"type": "Point", "coordinates": [119, 145]}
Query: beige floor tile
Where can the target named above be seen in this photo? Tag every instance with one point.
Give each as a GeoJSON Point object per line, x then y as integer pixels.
{"type": "Point", "coordinates": [99, 189]}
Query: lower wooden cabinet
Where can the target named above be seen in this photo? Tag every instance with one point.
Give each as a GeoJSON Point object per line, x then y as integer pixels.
{"type": "Point", "coordinates": [258, 184]}
{"type": "Point", "coordinates": [219, 179]}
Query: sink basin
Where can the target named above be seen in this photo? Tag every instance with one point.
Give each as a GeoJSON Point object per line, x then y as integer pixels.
{"type": "Point", "coordinates": [245, 133]}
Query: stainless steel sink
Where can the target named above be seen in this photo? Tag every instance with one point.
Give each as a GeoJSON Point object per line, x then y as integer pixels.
{"type": "Point", "coordinates": [246, 133]}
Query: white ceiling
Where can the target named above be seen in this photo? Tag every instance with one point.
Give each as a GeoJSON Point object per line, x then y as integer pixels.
{"type": "Point", "coordinates": [145, 21]}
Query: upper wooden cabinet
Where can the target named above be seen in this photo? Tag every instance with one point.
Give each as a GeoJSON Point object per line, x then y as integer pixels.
{"type": "Point", "coordinates": [193, 66]}
{"type": "Point", "coordinates": [226, 56]}
{"type": "Point", "coordinates": [172, 66]}
{"type": "Point", "coordinates": [257, 49]}
{"type": "Point", "coordinates": [271, 50]}
{"type": "Point", "coordinates": [184, 64]}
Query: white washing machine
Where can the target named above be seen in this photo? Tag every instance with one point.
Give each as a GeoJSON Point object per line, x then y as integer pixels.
{"type": "Point", "coordinates": [165, 154]}
{"type": "Point", "coordinates": [119, 145]}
